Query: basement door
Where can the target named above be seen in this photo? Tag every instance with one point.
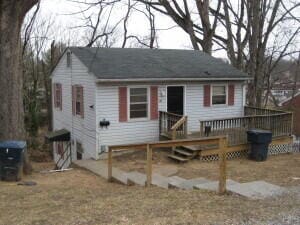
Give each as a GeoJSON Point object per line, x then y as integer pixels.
{"type": "Point", "coordinates": [175, 99]}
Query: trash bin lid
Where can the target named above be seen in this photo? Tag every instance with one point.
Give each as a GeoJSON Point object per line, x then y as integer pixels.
{"type": "Point", "coordinates": [12, 144]}
{"type": "Point", "coordinates": [259, 131]}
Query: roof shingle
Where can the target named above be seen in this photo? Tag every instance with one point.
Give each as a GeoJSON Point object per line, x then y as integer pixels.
{"type": "Point", "coordinates": [138, 63]}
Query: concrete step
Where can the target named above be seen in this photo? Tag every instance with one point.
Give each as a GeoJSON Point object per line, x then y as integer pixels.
{"type": "Point", "coordinates": [96, 167]}
{"type": "Point", "coordinates": [120, 176]}
{"type": "Point", "coordinates": [189, 184]}
{"type": "Point", "coordinates": [178, 158]}
{"type": "Point", "coordinates": [136, 178]}
{"type": "Point", "coordinates": [160, 181]}
{"type": "Point", "coordinates": [257, 189]}
{"type": "Point", "coordinates": [183, 152]}
{"type": "Point", "coordinates": [214, 185]}
{"type": "Point", "coordinates": [174, 181]}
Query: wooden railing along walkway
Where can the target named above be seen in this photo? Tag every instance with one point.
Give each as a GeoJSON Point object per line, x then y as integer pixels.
{"type": "Point", "coordinates": [219, 141]}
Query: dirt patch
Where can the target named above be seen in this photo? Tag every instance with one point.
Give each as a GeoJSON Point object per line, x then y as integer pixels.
{"type": "Point", "coordinates": [280, 169]}
{"type": "Point", "coordinates": [79, 197]}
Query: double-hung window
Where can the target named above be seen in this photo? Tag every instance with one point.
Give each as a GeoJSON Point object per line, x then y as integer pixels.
{"type": "Point", "coordinates": [138, 103]}
{"type": "Point", "coordinates": [219, 95]}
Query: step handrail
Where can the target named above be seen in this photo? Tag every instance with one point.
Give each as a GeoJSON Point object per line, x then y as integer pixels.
{"type": "Point", "coordinates": [175, 128]}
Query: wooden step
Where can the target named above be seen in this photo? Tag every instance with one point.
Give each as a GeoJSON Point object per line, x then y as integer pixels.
{"type": "Point", "coordinates": [193, 148]}
{"type": "Point", "coordinates": [178, 158]}
{"type": "Point", "coordinates": [183, 152]}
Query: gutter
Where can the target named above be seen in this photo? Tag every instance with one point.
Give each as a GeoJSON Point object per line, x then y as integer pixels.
{"type": "Point", "coordinates": [170, 79]}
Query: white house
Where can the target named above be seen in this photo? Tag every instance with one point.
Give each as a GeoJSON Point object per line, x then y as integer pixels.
{"type": "Point", "coordinates": [109, 96]}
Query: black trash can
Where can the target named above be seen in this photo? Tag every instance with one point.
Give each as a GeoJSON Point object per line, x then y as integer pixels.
{"type": "Point", "coordinates": [260, 140]}
{"type": "Point", "coordinates": [11, 160]}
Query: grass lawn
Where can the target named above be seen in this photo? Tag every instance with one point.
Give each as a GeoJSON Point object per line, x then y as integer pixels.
{"type": "Point", "coordinates": [79, 197]}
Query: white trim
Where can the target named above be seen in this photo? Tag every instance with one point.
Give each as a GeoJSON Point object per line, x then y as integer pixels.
{"type": "Point", "coordinates": [128, 104]}
{"type": "Point", "coordinates": [211, 95]}
{"type": "Point", "coordinates": [184, 96]}
{"type": "Point", "coordinates": [170, 79]}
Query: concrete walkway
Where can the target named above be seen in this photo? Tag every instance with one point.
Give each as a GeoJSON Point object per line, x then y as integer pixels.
{"type": "Point", "coordinates": [251, 190]}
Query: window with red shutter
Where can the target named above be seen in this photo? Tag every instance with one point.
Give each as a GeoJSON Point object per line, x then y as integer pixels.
{"type": "Point", "coordinates": [219, 95]}
{"type": "Point", "coordinates": [138, 103]}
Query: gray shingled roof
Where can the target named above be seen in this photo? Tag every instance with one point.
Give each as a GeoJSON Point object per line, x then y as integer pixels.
{"type": "Point", "coordinates": [137, 63]}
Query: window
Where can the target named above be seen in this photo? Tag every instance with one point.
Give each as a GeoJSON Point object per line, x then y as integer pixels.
{"type": "Point", "coordinates": [68, 59]}
{"type": "Point", "coordinates": [219, 95]}
{"type": "Point", "coordinates": [138, 103]}
{"type": "Point", "coordinates": [77, 95]}
{"type": "Point", "coordinates": [57, 96]}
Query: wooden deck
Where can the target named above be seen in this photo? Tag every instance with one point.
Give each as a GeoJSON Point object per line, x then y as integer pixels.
{"type": "Point", "coordinates": [174, 127]}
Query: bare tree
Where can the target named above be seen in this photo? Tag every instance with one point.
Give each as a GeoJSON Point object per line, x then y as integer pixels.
{"type": "Point", "coordinates": [249, 26]}
{"type": "Point", "coordinates": [200, 33]}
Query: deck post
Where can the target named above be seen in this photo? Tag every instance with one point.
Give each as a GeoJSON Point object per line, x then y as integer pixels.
{"type": "Point", "coordinates": [222, 165]}
{"type": "Point", "coordinates": [149, 165]}
{"type": "Point", "coordinates": [109, 165]}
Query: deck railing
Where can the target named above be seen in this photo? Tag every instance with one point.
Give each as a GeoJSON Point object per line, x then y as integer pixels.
{"type": "Point", "coordinates": [251, 111]}
{"type": "Point", "coordinates": [172, 125]}
{"type": "Point", "coordinates": [280, 124]}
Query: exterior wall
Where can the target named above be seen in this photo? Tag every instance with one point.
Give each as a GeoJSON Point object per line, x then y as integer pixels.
{"type": "Point", "coordinates": [82, 130]}
{"type": "Point", "coordinates": [196, 111]}
{"type": "Point", "coordinates": [107, 104]}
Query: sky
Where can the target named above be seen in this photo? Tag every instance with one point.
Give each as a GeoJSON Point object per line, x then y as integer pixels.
{"type": "Point", "coordinates": [59, 9]}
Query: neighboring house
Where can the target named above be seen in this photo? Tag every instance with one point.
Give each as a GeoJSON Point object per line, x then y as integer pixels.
{"type": "Point", "coordinates": [109, 96]}
{"type": "Point", "coordinates": [282, 90]}
{"type": "Point", "coordinates": [293, 104]}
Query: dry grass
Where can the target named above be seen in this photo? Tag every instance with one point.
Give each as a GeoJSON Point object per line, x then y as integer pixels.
{"type": "Point", "coordinates": [79, 197]}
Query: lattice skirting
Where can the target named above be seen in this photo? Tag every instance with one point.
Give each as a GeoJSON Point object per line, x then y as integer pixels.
{"type": "Point", "coordinates": [273, 150]}
{"type": "Point", "coordinates": [284, 148]}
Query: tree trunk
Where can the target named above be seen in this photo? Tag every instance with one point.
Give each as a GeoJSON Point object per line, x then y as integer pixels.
{"type": "Point", "coordinates": [12, 14]}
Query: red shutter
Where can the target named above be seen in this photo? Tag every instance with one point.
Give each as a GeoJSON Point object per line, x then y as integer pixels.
{"type": "Point", "coordinates": [231, 94]}
{"type": "Point", "coordinates": [60, 100]}
{"type": "Point", "coordinates": [73, 99]}
{"type": "Point", "coordinates": [206, 101]}
{"type": "Point", "coordinates": [81, 102]}
{"type": "Point", "coordinates": [153, 103]}
{"type": "Point", "coordinates": [54, 95]}
{"type": "Point", "coordinates": [122, 104]}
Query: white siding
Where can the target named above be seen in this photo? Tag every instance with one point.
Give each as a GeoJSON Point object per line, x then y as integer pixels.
{"type": "Point", "coordinates": [121, 132]}
{"type": "Point", "coordinates": [82, 129]}
{"type": "Point", "coordinates": [143, 131]}
{"type": "Point", "coordinates": [196, 111]}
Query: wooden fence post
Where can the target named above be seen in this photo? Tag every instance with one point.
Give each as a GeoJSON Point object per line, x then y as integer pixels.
{"type": "Point", "coordinates": [222, 165]}
{"type": "Point", "coordinates": [109, 165]}
{"type": "Point", "coordinates": [149, 165]}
